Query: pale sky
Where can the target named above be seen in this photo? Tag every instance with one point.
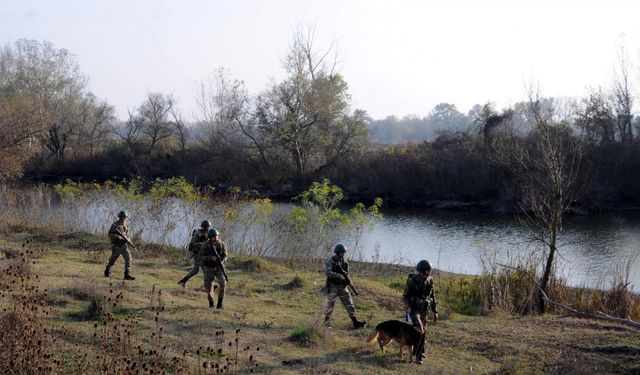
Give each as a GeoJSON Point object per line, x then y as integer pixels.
{"type": "Point", "coordinates": [398, 57]}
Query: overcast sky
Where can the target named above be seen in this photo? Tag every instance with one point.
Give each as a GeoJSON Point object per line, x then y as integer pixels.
{"type": "Point", "coordinates": [398, 57]}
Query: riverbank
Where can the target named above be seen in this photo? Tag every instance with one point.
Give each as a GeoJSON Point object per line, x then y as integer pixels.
{"type": "Point", "coordinates": [273, 306]}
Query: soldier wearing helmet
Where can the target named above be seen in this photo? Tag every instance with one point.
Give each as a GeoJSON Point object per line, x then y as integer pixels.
{"type": "Point", "coordinates": [208, 257]}
{"type": "Point", "coordinates": [418, 298]}
{"type": "Point", "coordinates": [337, 286]}
{"type": "Point", "coordinates": [198, 237]}
{"type": "Point", "coordinates": [119, 247]}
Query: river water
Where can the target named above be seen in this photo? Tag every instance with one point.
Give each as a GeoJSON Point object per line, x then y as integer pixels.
{"type": "Point", "coordinates": [593, 249]}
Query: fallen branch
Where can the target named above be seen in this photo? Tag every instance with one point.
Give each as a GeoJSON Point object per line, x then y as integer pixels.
{"type": "Point", "coordinates": [600, 315]}
{"type": "Point", "coordinates": [619, 320]}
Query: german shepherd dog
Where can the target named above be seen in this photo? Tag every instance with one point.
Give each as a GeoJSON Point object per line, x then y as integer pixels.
{"type": "Point", "coordinates": [395, 330]}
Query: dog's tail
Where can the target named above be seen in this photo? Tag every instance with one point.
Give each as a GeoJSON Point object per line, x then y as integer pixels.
{"type": "Point", "coordinates": [372, 337]}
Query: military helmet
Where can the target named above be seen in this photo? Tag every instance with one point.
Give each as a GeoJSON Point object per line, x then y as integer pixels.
{"type": "Point", "coordinates": [123, 214]}
{"type": "Point", "coordinates": [212, 233]}
{"type": "Point", "coordinates": [340, 248]}
{"type": "Point", "coordinates": [423, 266]}
{"type": "Point", "coordinates": [205, 224]}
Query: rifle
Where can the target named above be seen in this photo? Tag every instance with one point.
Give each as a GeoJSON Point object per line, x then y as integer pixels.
{"type": "Point", "coordinates": [126, 239]}
{"type": "Point", "coordinates": [348, 280]}
{"type": "Point", "coordinates": [219, 263]}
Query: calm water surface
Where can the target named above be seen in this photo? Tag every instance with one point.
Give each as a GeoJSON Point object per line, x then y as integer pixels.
{"type": "Point", "coordinates": [592, 248]}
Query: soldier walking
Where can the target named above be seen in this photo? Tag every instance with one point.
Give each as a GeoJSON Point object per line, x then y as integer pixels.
{"type": "Point", "coordinates": [117, 234]}
{"type": "Point", "coordinates": [418, 298]}
{"type": "Point", "coordinates": [212, 255]}
{"type": "Point", "coordinates": [198, 237]}
{"type": "Point", "coordinates": [335, 268]}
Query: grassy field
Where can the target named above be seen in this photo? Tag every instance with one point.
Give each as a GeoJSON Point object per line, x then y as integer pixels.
{"type": "Point", "coordinates": [92, 322]}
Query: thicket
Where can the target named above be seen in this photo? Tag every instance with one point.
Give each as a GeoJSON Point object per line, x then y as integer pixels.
{"type": "Point", "coordinates": [165, 210]}
{"type": "Point", "coordinates": [298, 130]}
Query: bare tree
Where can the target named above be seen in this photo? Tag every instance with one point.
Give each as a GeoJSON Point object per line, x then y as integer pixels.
{"type": "Point", "coordinates": [51, 81]}
{"type": "Point", "coordinates": [307, 115]}
{"type": "Point", "coordinates": [181, 129]}
{"type": "Point", "coordinates": [150, 123]}
{"type": "Point", "coordinates": [155, 122]}
{"type": "Point", "coordinates": [226, 120]}
{"type": "Point", "coordinates": [545, 165]}
{"type": "Point", "coordinates": [129, 131]}
{"type": "Point", "coordinates": [99, 117]}
{"type": "Point", "coordinates": [20, 124]}
{"type": "Point", "coordinates": [622, 98]}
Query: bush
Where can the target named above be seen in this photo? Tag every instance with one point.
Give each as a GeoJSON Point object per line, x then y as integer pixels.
{"type": "Point", "coordinates": [305, 335]}
{"type": "Point", "coordinates": [296, 283]}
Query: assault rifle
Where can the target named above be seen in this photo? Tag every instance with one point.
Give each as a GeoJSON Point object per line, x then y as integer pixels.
{"type": "Point", "coordinates": [348, 280]}
{"type": "Point", "coordinates": [219, 263]}
{"type": "Point", "coordinates": [126, 239]}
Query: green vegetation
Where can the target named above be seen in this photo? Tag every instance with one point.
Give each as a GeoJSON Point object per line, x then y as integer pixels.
{"type": "Point", "coordinates": [100, 323]}
{"type": "Point", "coordinates": [306, 335]}
{"type": "Point", "coordinates": [303, 128]}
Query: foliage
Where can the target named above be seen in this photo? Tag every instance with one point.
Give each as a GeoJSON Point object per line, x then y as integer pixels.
{"type": "Point", "coordinates": [461, 294]}
{"type": "Point", "coordinates": [306, 335]}
{"type": "Point", "coordinates": [311, 222]}
{"type": "Point", "coordinates": [173, 187]}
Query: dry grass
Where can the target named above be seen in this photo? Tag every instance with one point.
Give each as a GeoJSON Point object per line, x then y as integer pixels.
{"type": "Point", "coordinates": [153, 323]}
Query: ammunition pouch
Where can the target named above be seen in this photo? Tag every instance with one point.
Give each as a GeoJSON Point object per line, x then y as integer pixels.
{"type": "Point", "coordinates": [419, 305]}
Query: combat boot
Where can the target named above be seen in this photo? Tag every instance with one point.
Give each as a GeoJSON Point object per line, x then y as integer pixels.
{"type": "Point", "coordinates": [182, 282]}
{"type": "Point", "coordinates": [419, 352]}
{"type": "Point", "coordinates": [219, 305]}
{"type": "Point", "coordinates": [356, 323]}
{"type": "Point", "coordinates": [211, 304]}
{"type": "Point", "coordinates": [128, 277]}
{"type": "Point", "coordinates": [107, 272]}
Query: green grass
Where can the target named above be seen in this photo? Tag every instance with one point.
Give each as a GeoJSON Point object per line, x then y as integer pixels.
{"type": "Point", "coordinates": [306, 335]}
{"type": "Point", "coordinates": [279, 310]}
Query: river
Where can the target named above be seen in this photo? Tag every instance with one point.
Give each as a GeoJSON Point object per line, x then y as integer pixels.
{"type": "Point", "coordinates": [593, 249]}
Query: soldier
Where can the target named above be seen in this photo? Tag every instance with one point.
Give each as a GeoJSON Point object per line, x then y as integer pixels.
{"type": "Point", "coordinates": [117, 233]}
{"type": "Point", "coordinates": [337, 286]}
{"type": "Point", "coordinates": [418, 297]}
{"type": "Point", "coordinates": [198, 237]}
{"type": "Point", "coordinates": [212, 255]}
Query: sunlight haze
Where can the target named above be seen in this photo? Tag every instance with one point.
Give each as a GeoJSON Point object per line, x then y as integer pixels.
{"type": "Point", "coordinates": [399, 58]}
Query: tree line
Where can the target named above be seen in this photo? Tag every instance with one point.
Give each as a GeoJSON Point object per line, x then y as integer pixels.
{"type": "Point", "coordinates": [303, 128]}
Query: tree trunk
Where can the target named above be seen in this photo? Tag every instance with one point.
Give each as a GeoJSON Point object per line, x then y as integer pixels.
{"type": "Point", "coordinates": [542, 308]}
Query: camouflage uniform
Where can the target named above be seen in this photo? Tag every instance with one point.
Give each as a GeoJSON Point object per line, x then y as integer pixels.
{"type": "Point", "coordinates": [418, 297]}
{"type": "Point", "coordinates": [198, 237]}
{"type": "Point", "coordinates": [211, 271]}
{"type": "Point", "coordinates": [337, 287]}
{"type": "Point", "coordinates": [119, 247]}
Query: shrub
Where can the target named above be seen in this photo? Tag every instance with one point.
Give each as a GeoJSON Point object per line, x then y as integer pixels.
{"type": "Point", "coordinates": [305, 335]}
{"type": "Point", "coordinates": [296, 283]}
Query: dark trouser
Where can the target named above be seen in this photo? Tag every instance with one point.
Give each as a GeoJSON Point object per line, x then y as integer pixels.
{"type": "Point", "coordinates": [211, 274]}
{"type": "Point", "coordinates": [419, 321]}
{"type": "Point", "coordinates": [116, 251]}
{"type": "Point", "coordinates": [335, 292]}
{"type": "Point", "coordinates": [194, 271]}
